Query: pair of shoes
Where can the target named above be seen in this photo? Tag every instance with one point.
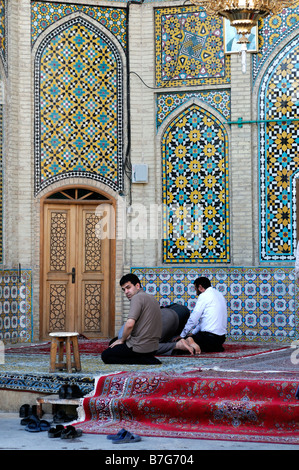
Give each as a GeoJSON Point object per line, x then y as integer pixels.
{"type": "Point", "coordinates": [36, 425]}
{"type": "Point", "coordinates": [27, 410]}
{"type": "Point", "coordinates": [70, 432]}
{"type": "Point", "coordinates": [62, 417]}
{"type": "Point", "coordinates": [56, 432]}
{"type": "Point", "coordinates": [70, 391]}
{"type": "Point", "coordinates": [123, 436]}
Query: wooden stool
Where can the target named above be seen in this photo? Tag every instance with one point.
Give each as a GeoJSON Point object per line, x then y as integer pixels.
{"type": "Point", "coordinates": [62, 338]}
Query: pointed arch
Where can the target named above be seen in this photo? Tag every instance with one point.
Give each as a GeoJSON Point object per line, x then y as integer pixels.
{"type": "Point", "coordinates": [78, 104]}
{"type": "Point", "coordinates": [195, 188]}
{"type": "Point", "coordinates": [278, 154]}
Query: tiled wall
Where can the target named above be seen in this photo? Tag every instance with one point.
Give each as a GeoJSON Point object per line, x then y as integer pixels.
{"type": "Point", "coordinates": [262, 302]}
{"type": "Point", "coordinates": [15, 306]}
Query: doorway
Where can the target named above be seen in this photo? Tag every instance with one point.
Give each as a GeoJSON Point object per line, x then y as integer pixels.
{"type": "Point", "coordinates": [76, 274]}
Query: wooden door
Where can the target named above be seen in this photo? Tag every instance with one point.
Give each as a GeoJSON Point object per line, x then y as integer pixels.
{"type": "Point", "coordinates": [76, 271]}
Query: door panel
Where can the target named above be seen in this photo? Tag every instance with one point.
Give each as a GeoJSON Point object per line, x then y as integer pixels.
{"type": "Point", "coordinates": [76, 265]}
{"type": "Point", "coordinates": [93, 266]}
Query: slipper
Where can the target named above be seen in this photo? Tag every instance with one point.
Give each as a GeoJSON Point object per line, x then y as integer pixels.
{"type": "Point", "coordinates": [27, 420]}
{"type": "Point", "coordinates": [62, 417]}
{"type": "Point", "coordinates": [70, 432]}
{"type": "Point", "coordinates": [37, 425]}
{"type": "Point", "coordinates": [120, 434]}
{"type": "Point", "coordinates": [24, 411]}
{"type": "Point", "coordinates": [56, 432]}
{"type": "Point", "coordinates": [128, 437]}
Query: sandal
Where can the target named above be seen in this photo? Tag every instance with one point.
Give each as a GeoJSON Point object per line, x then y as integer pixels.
{"type": "Point", "coordinates": [128, 437]}
{"type": "Point", "coordinates": [56, 432]}
{"type": "Point", "coordinates": [37, 425]}
{"type": "Point", "coordinates": [62, 417]}
{"type": "Point", "coordinates": [120, 434]}
{"type": "Point", "coordinates": [70, 432]}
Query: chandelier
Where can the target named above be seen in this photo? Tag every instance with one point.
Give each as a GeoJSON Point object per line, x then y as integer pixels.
{"type": "Point", "coordinates": [243, 15]}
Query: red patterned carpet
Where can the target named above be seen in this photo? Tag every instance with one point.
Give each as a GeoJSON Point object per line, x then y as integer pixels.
{"type": "Point", "coordinates": [231, 406]}
{"type": "Point", "coordinates": [96, 346]}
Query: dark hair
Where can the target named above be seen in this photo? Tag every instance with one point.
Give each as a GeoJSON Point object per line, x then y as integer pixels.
{"type": "Point", "coordinates": [202, 281]}
{"type": "Point", "coordinates": [130, 277]}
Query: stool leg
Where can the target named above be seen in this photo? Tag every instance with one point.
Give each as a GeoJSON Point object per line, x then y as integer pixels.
{"type": "Point", "coordinates": [61, 348]}
{"type": "Point", "coordinates": [68, 355]}
{"type": "Point", "coordinates": [53, 354]}
{"type": "Point", "coordinates": [76, 353]}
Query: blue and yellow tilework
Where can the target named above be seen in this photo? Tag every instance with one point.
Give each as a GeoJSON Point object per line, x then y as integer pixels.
{"type": "Point", "coordinates": [78, 98]}
{"type": "Point", "coordinates": [15, 306]}
{"type": "Point", "coordinates": [3, 35]}
{"type": "Point", "coordinates": [262, 302]}
{"type": "Point", "coordinates": [189, 48]}
{"type": "Point", "coordinates": [279, 159]}
{"type": "Point", "coordinates": [195, 189]}
{"type": "Point", "coordinates": [168, 103]}
{"type": "Point", "coordinates": [272, 30]}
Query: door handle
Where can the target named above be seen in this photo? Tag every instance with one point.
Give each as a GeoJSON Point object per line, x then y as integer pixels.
{"type": "Point", "coordinates": [73, 273]}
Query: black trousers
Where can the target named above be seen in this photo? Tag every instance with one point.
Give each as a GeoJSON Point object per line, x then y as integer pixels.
{"type": "Point", "coordinates": [209, 342]}
{"type": "Point", "coordinates": [122, 354]}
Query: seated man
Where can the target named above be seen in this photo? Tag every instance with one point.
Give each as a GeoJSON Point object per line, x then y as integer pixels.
{"type": "Point", "coordinates": [140, 337]}
{"type": "Point", "coordinates": [206, 328]}
{"type": "Point", "coordinates": [174, 317]}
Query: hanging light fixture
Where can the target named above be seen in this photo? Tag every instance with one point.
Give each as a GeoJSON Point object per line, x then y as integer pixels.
{"type": "Point", "coordinates": [243, 15]}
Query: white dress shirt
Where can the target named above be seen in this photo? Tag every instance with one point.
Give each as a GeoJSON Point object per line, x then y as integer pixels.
{"type": "Point", "coordinates": [209, 314]}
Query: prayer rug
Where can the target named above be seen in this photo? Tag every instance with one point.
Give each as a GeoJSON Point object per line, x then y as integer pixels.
{"type": "Point", "coordinates": [86, 346]}
{"type": "Point", "coordinates": [238, 406]}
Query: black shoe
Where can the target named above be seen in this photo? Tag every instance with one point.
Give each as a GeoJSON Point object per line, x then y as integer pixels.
{"type": "Point", "coordinates": [24, 411]}
{"type": "Point", "coordinates": [63, 391]}
{"type": "Point", "coordinates": [76, 392]}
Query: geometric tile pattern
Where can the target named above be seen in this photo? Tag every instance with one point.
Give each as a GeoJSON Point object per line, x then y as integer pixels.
{"type": "Point", "coordinates": [3, 33]}
{"type": "Point", "coordinates": [272, 30]}
{"type": "Point", "coordinates": [169, 102]}
{"type": "Point", "coordinates": [45, 14]}
{"type": "Point", "coordinates": [1, 183]}
{"type": "Point", "coordinates": [15, 306]}
{"type": "Point", "coordinates": [78, 106]}
{"type": "Point", "coordinates": [195, 189]}
{"type": "Point", "coordinates": [189, 47]}
{"type": "Point", "coordinates": [262, 302]}
{"type": "Point", "coordinates": [279, 159]}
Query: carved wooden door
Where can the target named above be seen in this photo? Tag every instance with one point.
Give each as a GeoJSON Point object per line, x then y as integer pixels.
{"type": "Point", "coordinates": [76, 263]}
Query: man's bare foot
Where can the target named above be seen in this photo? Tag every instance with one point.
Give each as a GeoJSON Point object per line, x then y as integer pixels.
{"type": "Point", "coordinates": [184, 346]}
{"type": "Point", "coordinates": [190, 341]}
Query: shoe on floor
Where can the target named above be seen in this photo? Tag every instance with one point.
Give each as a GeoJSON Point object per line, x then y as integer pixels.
{"type": "Point", "coordinates": [70, 432]}
{"type": "Point", "coordinates": [127, 437]}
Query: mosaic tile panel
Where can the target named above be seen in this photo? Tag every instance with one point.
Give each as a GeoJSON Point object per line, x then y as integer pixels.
{"type": "Point", "coordinates": [15, 306]}
{"type": "Point", "coordinates": [262, 302]}
{"type": "Point", "coordinates": [44, 14]}
{"type": "Point", "coordinates": [78, 106]}
{"type": "Point", "coordinates": [272, 30]}
{"type": "Point", "coordinates": [189, 48]}
{"type": "Point", "coordinates": [166, 103]}
{"type": "Point", "coordinates": [3, 33]}
{"type": "Point", "coordinates": [195, 189]}
{"type": "Point", "coordinates": [279, 159]}
{"type": "Point", "coordinates": [1, 183]}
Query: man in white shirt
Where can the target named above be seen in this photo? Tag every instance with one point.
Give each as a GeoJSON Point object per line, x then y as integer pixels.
{"type": "Point", "coordinates": [206, 329]}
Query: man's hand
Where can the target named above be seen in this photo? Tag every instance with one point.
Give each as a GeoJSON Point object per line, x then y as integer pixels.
{"type": "Point", "coordinates": [129, 325]}
{"type": "Point", "coordinates": [118, 341]}
{"type": "Point", "coordinates": [177, 338]}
